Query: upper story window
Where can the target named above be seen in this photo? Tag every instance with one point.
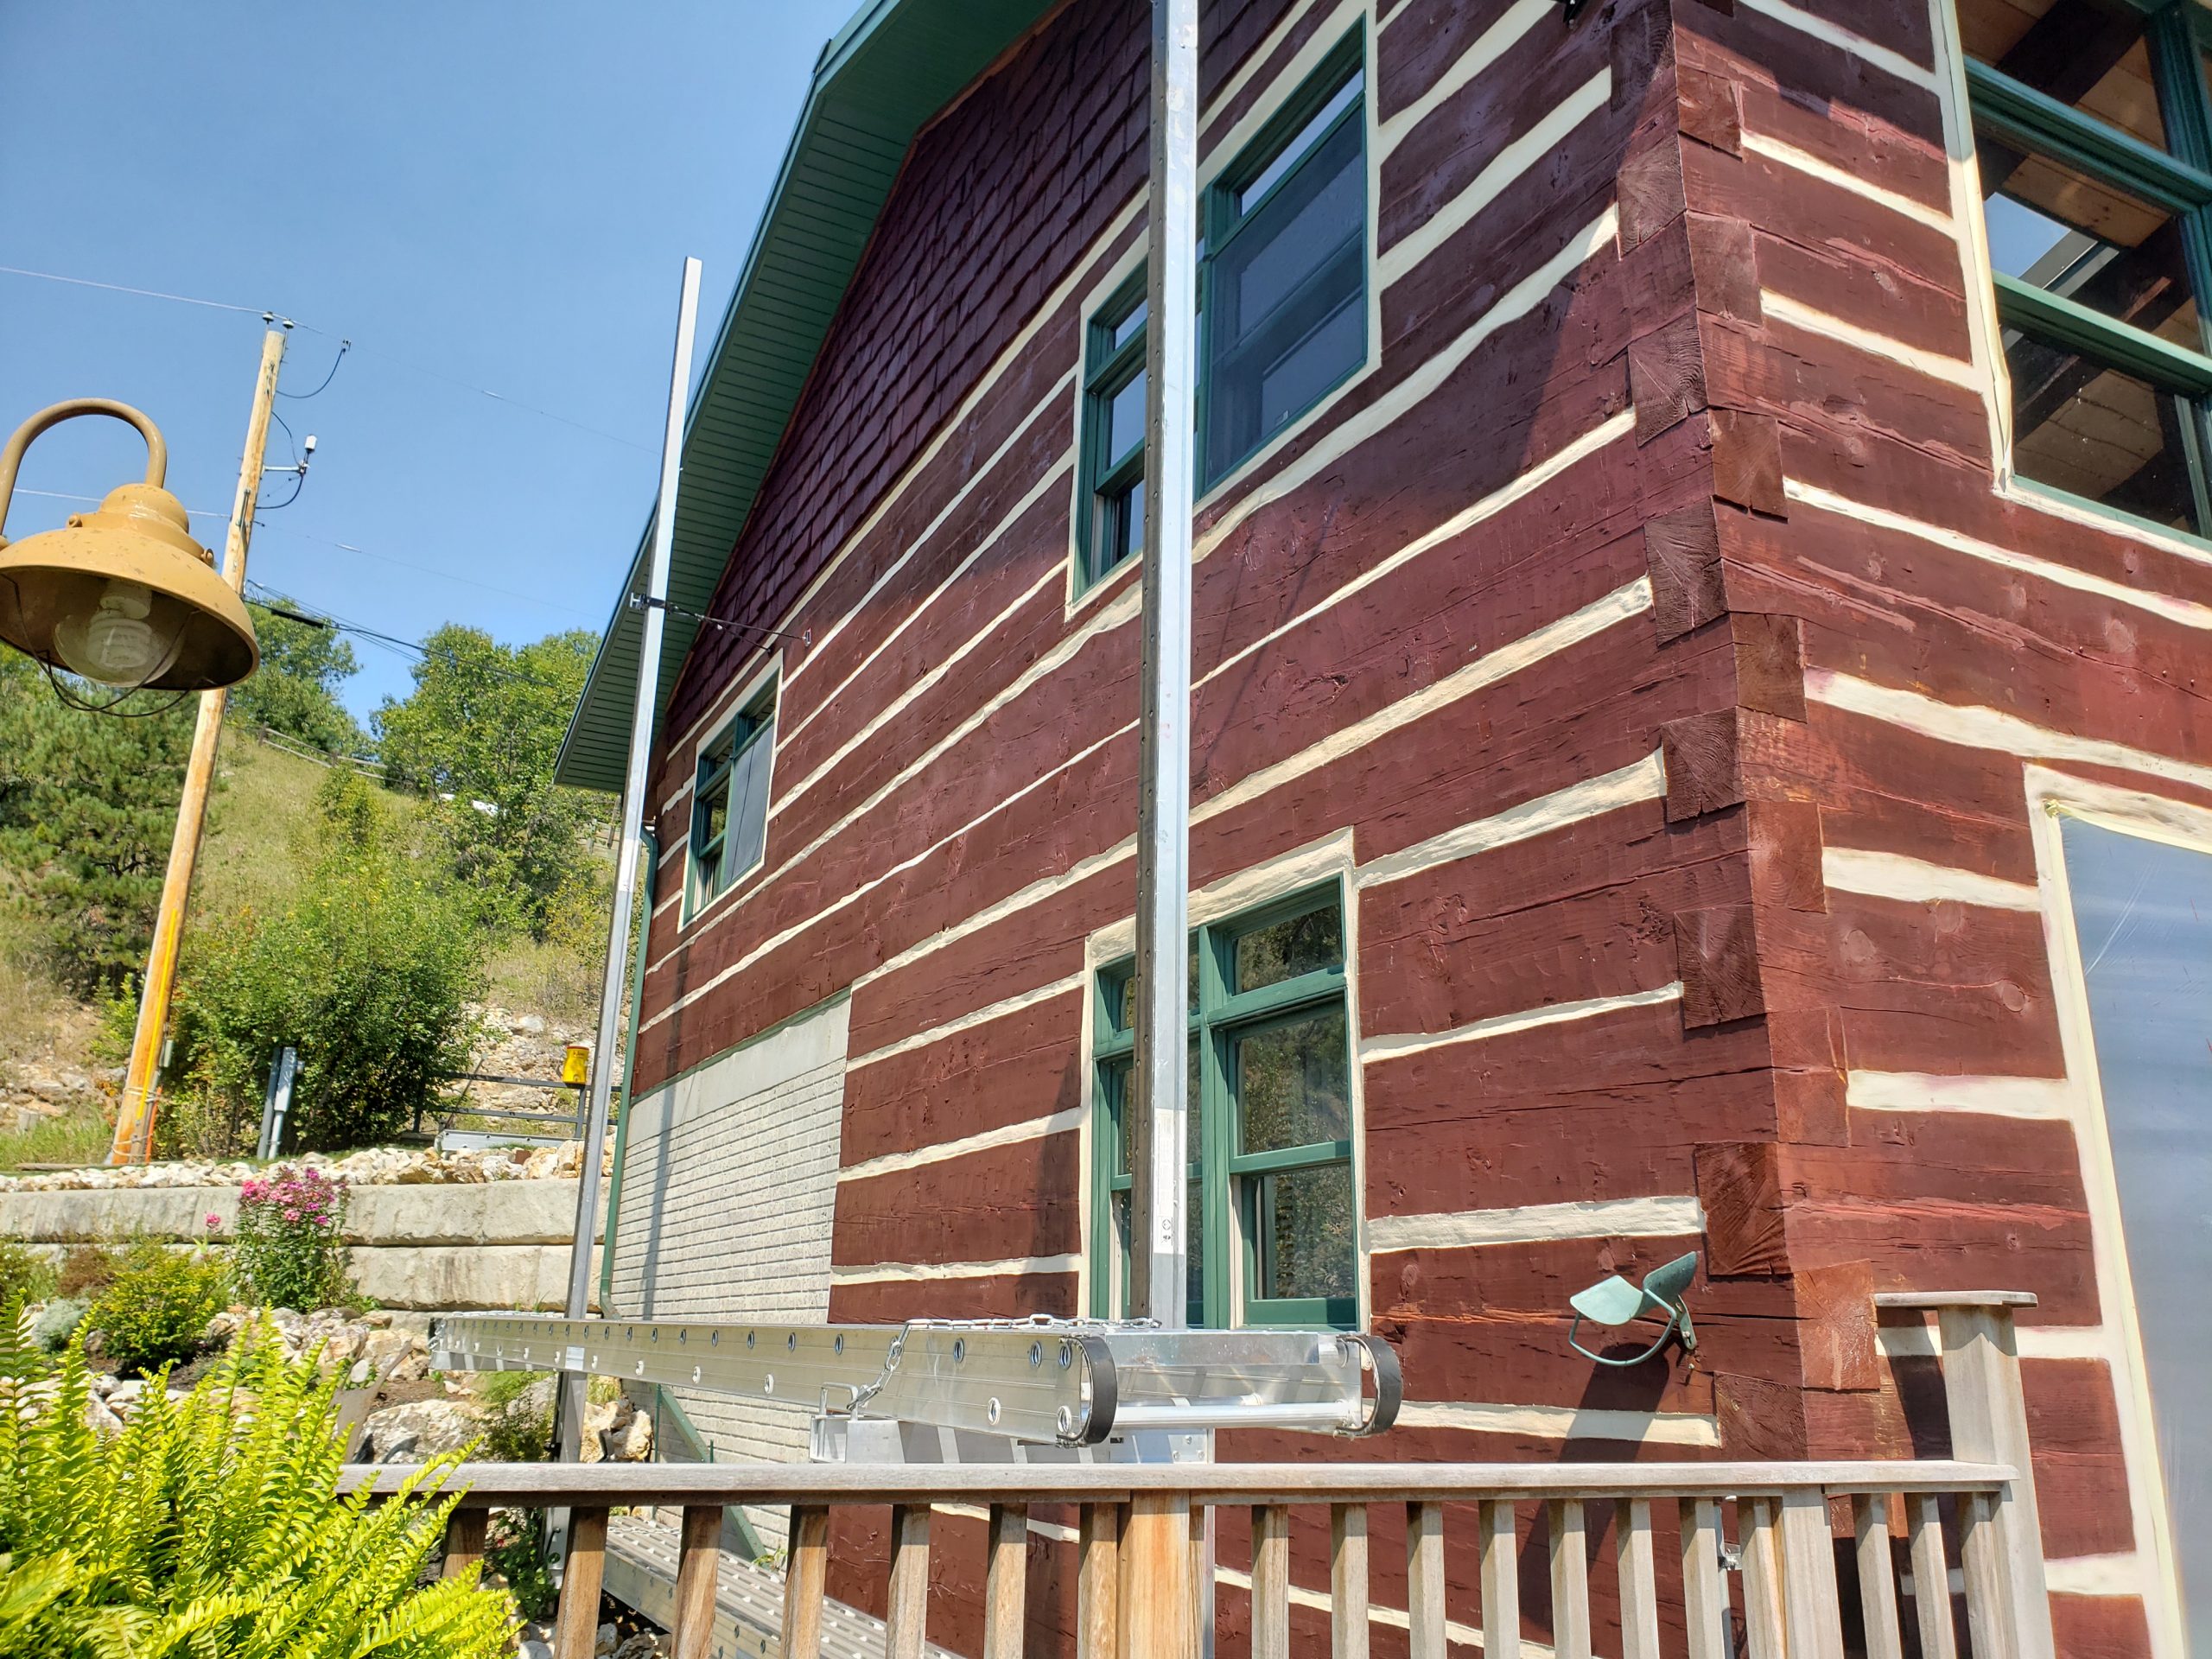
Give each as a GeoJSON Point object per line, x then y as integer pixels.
{"type": "Point", "coordinates": [1112, 527]}
{"type": "Point", "coordinates": [2092, 129]}
{"type": "Point", "coordinates": [729, 802]}
{"type": "Point", "coordinates": [1271, 1217]}
{"type": "Point", "coordinates": [1282, 319]}
{"type": "Point", "coordinates": [1283, 279]}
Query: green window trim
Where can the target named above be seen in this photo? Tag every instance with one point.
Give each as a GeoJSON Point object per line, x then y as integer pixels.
{"type": "Point", "coordinates": [1227, 1216]}
{"type": "Point", "coordinates": [2177, 180]}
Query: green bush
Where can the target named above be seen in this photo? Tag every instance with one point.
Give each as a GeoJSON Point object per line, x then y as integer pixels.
{"type": "Point", "coordinates": [155, 1311]}
{"type": "Point", "coordinates": [204, 1528]}
{"type": "Point", "coordinates": [25, 1276]}
{"type": "Point", "coordinates": [518, 1427]}
{"type": "Point", "coordinates": [367, 971]}
{"type": "Point", "coordinates": [514, 1548]}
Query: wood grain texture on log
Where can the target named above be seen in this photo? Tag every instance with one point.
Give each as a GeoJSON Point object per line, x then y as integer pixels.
{"type": "Point", "coordinates": [1747, 461]}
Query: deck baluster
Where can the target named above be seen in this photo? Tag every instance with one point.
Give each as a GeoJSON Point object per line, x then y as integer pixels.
{"type": "Point", "coordinates": [698, 1564]}
{"type": "Point", "coordinates": [1570, 1582]}
{"type": "Point", "coordinates": [906, 1608]}
{"type": "Point", "coordinates": [1877, 1577]}
{"type": "Point", "coordinates": [1006, 1582]}
{"type": "Point", "coordinates": [1639, 1582]}
{"type": "Point", "coordinates": [1762, 1553]}
{"type": "Point", "coordinates": [1500, 1574]}
{"type": "Point", "coordinates": [1348, 1581]}
{"type": "Point", "coordinates": [806, 1572]}
{"type": "Point", "coordinates": [1098, 1582]}
{"type": "Point", "coordinates": [1931, 1580]}
{"type": "Point", "coordinates": [1705, 1592]}
{"type": "Point", "coordinates": [1424, 1580]}
{"type": "Point", "coordinates": [1270, 1582]}
{"type": "Point", "coordinates": [577, 1624]}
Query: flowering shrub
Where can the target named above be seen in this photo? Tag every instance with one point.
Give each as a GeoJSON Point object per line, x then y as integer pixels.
{"type": "Point", "coordinates": [291, 1224]}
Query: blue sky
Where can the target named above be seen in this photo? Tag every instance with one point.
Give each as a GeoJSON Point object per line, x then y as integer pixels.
{"type": "Point", "coordinates": [499, 195]}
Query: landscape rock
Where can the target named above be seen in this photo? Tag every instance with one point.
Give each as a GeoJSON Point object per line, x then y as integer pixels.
{"type": "Point", "coordinates": [528, 1649]}
{"type": "Point", "coordinates": [377, 1167]}
{"type": "Point", "coordinates": [605, 1640]}
{"type": "Point", "coordinates": [411, 1432]}
{"type": "Point", "coordinates": [635, 1443]}
{"type": "Point", "coordinates": [640, 1646]}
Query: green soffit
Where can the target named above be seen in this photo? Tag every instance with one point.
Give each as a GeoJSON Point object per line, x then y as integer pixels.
{"type": "Point", "coordinates": [894, 65]}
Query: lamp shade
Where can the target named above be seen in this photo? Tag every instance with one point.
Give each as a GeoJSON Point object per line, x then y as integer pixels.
{"type": "Point", "coordinates": [122, 595]}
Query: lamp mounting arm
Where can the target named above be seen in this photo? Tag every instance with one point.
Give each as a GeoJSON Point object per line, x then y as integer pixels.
{"type": "Point", "coordinates": [11, 458]}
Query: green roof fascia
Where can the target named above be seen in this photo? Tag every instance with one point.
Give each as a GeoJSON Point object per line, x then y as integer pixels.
{"type": "Point", "coordinates": [891, 67]}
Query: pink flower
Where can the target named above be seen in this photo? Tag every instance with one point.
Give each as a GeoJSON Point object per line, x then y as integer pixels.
{"type": "Point", "coordinates": [291, 1215]}
{"type": "Point", "coordinates": [213, 1221]}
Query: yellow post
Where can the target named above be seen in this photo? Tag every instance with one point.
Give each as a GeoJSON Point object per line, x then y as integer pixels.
{"type": "Point", "coordinates": [134, 1122]}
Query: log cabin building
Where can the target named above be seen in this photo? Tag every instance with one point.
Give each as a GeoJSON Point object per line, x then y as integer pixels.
{"type": "Point", "coordinates": [1702, 594]}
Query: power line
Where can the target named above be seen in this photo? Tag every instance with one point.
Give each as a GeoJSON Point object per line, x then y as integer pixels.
{"type": "Point", "coordinates": [344, 345]}
{"type": "Point", "coordinates": [64, 495]}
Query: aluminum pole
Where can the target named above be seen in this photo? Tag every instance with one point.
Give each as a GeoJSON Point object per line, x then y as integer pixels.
{"type": "Point", "coordinates": [1159, 1230]}
{"type": "Point", "coordinates": [634, 818]}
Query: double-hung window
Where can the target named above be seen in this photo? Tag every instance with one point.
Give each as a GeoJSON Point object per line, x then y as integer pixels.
{"type": "Point", "coordinates": [1282, 299]}
{"type": "Point", "coordinates": [729, 802]}
{"type": "Point", "coordinates": [2094, 133]}
{"type": "Point", "coordinates": [1283, 280]}
{"type": "Point", "coordinates": [1271, 1212]}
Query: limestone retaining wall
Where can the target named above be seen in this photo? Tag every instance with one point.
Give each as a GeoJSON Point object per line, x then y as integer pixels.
{"type": "Point", "coordinates": [446, 1245]}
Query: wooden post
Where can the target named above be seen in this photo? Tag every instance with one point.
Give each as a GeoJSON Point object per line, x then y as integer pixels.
{"type": "Point", "coordinates": [1639, 1581]}
{"type": "Point", "coordinates": [1424, 1580]}
{"type": "Point", "coordinates": [1705, 1594]}
{"type": "Point", "coordinates": [1878, 1577]}
{"type": "Point", "coordinates": [464, 1540]}
{"type": "Point", "coordinates": [1098, 1583]}
{"type": "Point", "coordinates": [576, 1628]}
{"type": "Point", "coordinates": [134, 1121]}
{"type": "Point", "coordinates": [1156, 1562]}
{"type": "Point", "coordinates": [1006, 1582]}
{"type": "Point", "coordinates": [1812, 1623]}
{"type": "Point", "coordinates": [1348, 1581]}
{"type": "Point", "coordinates": [1989, 1424]}
{"type": "Point", "coordinates": [698, 1565]}
{"type": "Point", "coordinates": [806, 1574]}
{"type": "Point", "coordinates": [1501, 1571]}
{"type": "Point", "coordinates": [1570, 1582]}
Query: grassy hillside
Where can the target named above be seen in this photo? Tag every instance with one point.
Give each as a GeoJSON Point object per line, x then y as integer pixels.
{"type": "Point", "coordinates": [258, 823]}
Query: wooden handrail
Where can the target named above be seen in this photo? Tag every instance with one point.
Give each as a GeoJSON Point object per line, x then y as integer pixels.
{"type": "Point", "coordinates": [1143, 1572]}
{"type": "Point", "coordinates": [541, 1485]}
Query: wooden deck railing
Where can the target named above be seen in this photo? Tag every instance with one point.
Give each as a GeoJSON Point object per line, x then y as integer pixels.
{"type": "Point", "coordinates": [1755, 1543]}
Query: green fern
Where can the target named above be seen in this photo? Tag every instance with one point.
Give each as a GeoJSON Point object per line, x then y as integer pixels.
{"type": "Point", "coordinates": [210, 1526]}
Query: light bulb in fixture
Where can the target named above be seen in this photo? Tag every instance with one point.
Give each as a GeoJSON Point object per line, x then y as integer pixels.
{"type": "Point", "coordinates": [116, 644]}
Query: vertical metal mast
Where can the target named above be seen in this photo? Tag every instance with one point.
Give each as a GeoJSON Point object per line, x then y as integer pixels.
{"type": "Point", "coordinates": [1159, 1103]}
{"type": "Point", "coordinates": [634, 814]}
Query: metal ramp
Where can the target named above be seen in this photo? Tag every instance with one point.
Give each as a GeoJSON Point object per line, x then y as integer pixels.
{"type": "Point", "coordinates": [641, 1556]}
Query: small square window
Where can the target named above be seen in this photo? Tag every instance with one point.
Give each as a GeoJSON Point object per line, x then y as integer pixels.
{"type": "Point", "coordinates": [729, 801]}
{"type": "Point", "coordinates": [1110, 526]}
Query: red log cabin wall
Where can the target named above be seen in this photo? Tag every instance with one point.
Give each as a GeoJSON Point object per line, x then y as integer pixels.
{"type": "Point", "coordinates": [1593, 636]}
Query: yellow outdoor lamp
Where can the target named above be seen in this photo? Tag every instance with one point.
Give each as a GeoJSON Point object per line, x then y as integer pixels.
{"type": "Point", "coordinates": [123, 594]}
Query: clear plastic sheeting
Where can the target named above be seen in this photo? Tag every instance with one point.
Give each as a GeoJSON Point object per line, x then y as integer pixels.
{"type": "Point", "coordinates": [2142, 913]}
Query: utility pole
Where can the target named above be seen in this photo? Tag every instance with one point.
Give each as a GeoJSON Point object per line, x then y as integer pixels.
{"type": "Point", "coordinates": [134, 1122]}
